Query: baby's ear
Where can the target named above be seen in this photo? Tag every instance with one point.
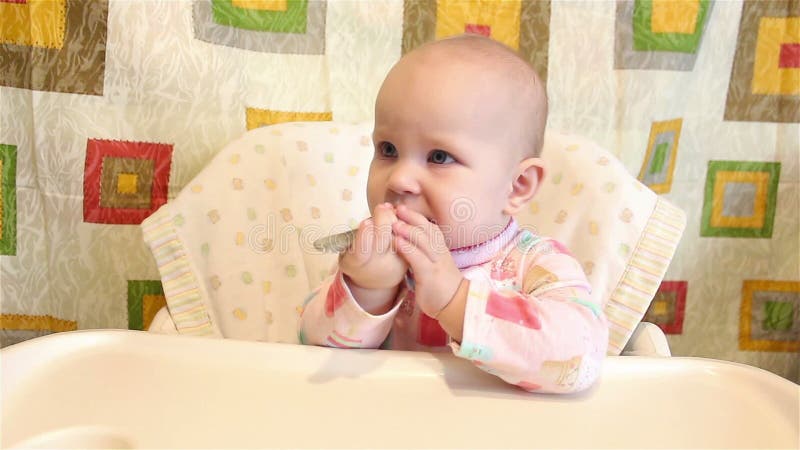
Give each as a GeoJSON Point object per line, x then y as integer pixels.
{"type": "Point", "coordinates": [528, 176]}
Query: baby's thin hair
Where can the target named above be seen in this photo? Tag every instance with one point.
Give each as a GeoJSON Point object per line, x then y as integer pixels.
{"type": "Point", "coordinates": [520, 71]}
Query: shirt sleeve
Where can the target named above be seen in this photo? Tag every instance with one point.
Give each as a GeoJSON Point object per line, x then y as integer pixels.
{"type": "Point", "coordinates": [331, 317]}
{"type": "Point", "coordinates": [544, 334]}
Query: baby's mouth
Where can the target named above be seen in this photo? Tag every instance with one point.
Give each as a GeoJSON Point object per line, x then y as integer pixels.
{"type": "Point", "coordinates": [431, 220]}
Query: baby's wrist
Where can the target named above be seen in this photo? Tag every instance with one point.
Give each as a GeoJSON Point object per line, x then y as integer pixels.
{"type": "Point", "coordinates": [450, 300]}
{"type": "Point", "coordinates": [376, 301]}
{"type": "Point", "coordinates": [365, 283]}
{"type": "Point", "coordinates": [451, 317]}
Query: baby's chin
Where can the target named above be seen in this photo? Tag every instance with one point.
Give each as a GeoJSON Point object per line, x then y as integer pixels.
{"type": "Point", "coordinates": [461, 236]}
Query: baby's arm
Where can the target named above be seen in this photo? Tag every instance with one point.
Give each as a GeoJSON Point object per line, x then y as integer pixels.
{"type": "Point", "coordinates": [332, 317]}
{"type": "Point", "coordinates": [356, 307]}
{"type": "Point", "coordinates": [546, 337]}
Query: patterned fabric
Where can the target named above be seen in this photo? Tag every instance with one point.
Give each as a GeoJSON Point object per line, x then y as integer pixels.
{"type": "Point", "coordinates": [699, 102]}
{"type": "Point", "coordinates": [765, 78]}
{"type": "Point", "coordinates": [622, 233]}
{"type": "Point", "coordinates": [659, 34]}
{"type": "Point", "coordinates": [8, 200]}
{"type": "Point", "coordinates": [65, 41]}
{"type": "Point", "coordinates": [234, 248]}
{"type": "Point", "coordinates": [529, 319]}
{"type": "Point", "coordinates": [267, 196]}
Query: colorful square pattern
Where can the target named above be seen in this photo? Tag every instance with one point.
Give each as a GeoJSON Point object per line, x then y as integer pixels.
{"type": "Point", "coordinates": [740, 199]}
{"type": "Point", "coordinates": [252, 16]}
{"type": "Point", "coordinates": [65, 41]}
{"type": "Point", "coordinates": [38, 23]}
{"type": "Point", "coordinates": [659, 34]}
{"type": "Point", "coordinates": [765, 78]}
{"type": "Point", "coordinates": [262, 5]}
{"type": "Point", "coordinates": [668, 25]}
{"type": "Point", "coordinates": [668, 307]}
{"type": "Point", "coordinates": [145, 299]}
{"type": "Point", "coordinates": [770, 316]}
{"type": "Point", "coordinates": [676, 16]}
{"type": "Point", "coordinates": [8, 199]}
{"type": "Point", "coordinates": [270, 26]}
{"type": "Point", "coordinates": [36, 323]}
{"type": "Point", "coordinates": [124, 182]}
{"type": "Point", "coordinates": [662, 150]}
{"type": "Point", "coordinates": [523, 25]}
{"type": "Point", "coordinates": [773, 73]}
{"type": "Point", "coordinates": [262, 117]}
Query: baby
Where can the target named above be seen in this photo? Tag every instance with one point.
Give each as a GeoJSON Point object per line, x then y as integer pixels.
{"type": "Point", "coordinates": [459, 125]}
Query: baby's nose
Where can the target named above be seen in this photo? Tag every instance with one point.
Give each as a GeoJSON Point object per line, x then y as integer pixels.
{"type": "Point", "coordinates": [404, 179]}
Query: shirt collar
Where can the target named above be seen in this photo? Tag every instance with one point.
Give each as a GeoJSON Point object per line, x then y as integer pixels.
{"type": "Point", "coordinates": [480, 253]}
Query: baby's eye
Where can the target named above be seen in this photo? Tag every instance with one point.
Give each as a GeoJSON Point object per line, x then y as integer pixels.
{"type": "Point", "coordinates": [440, 157]}
{"type": "Point", "coordinates": [387, 149]}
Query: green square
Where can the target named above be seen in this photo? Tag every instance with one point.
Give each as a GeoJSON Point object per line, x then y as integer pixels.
{"type": "Point", "coordinates": [774, 170]}
{"type": "Point", "coordinates": [658, 158]}
{"type": "Point", "coordinates": [8, 200]}
{"type": "Point", "coordinates": [645, 40]}
{"type": "Point", "coordinates": [293, 20]}
{"type": "Point", "coordinates": [137, 289]}
{"type": "Point", "coordinates": [778, 316]}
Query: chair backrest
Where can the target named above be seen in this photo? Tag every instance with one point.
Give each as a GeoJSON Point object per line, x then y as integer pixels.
{"type": "Point", "coordinates": [235, 252]}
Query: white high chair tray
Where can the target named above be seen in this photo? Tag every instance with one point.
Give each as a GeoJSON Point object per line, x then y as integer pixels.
{"type": "Point", "coordinates": [100, 389]}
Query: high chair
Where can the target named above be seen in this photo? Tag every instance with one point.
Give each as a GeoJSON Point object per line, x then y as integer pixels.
{"type": "Point", "coordinates": [235, 252]}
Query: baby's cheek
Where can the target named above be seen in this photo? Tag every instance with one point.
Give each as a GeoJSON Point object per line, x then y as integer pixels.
{"type": "Point", "coordinates": [373, 198]}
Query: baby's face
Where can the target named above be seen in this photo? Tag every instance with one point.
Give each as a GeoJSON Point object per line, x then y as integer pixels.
{"type": "Point", "coordinates": [443, 148]}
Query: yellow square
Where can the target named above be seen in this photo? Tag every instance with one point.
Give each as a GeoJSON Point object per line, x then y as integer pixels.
{"type": "Point", "coordinates": [760, 180]}
{"type": "Point", "coordinates": [263, 117]}
{"type": "Point", "coordinates": [660, 307]}
{"type": "Point", "coordinates": [151, 304]}
{"type": "Point", "coordinates": [674, 16]}
{"type": "Point", "coordinates": [127, 183]}
{"type": "Point", "coordinates": [262, 5]}
{"type": "Point", "coordinates": [502, 16]}
{"type": "Point", "coordinates": [768, 77]}
{"type": "Point", "coordinates": [38, 23]}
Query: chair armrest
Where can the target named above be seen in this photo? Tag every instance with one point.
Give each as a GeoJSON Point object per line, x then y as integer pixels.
{"type": "Point", "coordinates": [647, 340]}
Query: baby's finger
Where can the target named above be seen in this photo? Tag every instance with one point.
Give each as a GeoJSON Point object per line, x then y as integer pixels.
{"type": "Point", "coordinates": [414, 257]}
{"type": "Point", "coordinates": [416, 236]}
{"type": "Point", "coordinates": [384, 217]}
{"type": "Point", "coordinates": [364, 241]}
{"type": "Point", "coordinates": [413, 218]}
{"type": "Point", "coordinates": [432, 233]}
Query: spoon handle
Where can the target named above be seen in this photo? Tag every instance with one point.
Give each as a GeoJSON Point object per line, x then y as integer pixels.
{"type": "Point", "coordinates": [335, 243]}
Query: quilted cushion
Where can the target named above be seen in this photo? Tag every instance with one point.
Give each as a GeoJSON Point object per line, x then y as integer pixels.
{"type": "Point", "coordinates": [235, 253]}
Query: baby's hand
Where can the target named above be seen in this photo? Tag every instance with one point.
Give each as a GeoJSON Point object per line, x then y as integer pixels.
{"type": "Point", "coordinates": [436, 276]}
{"type": "Point", "coordinates": [371, 262]}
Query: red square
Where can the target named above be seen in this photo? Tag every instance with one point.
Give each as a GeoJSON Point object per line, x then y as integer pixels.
{"type": "Point", "coordinates": [673, 295]}
{"type": "Point", "coordinates": [790, 56]}
{"type": "Point", "coordinates": [97, 150]}
{"type": "Point", "coordinates": [483, 30]}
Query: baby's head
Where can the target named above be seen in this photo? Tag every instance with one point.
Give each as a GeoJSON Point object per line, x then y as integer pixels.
{"type": "Point", "coordinates": [459, 125]}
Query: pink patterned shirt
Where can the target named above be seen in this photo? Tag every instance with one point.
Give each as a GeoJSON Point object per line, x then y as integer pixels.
{"type": "Point", "coordinates": [528, 319]}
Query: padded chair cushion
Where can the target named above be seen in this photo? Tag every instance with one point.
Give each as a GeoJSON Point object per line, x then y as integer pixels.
{"type": "Point", "coordinates": [235, 253]}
